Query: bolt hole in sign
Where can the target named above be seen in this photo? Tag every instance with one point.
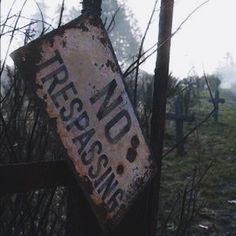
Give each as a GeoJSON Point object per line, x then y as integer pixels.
{"type": "Point", "coordinates": [74, 75]}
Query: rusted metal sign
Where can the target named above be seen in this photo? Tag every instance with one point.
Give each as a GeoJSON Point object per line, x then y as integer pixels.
{"type": "Point", "coordinates": [76, 78]}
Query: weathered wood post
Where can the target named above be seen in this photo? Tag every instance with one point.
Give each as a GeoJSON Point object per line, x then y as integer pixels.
{"type": "Point", "coordinates": [92, 7]}
{"type": "Point", "coordinates": [159, 106]}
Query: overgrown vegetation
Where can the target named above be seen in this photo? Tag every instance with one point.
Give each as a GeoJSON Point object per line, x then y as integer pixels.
{"type": "Point", "coordinates": [198, 189]}
{"type": "Point", "coordinates": [198, 195]}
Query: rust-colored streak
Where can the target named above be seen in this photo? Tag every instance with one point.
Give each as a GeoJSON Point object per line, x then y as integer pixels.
{"type": "Point", "coordinates": [112, 65]}
{"type": "Point", "coordinates": [87, 184]}
{"type": "Point", "coordinates": [95, 21]}
{"type": "Point", "coordinates": [51, 42]}
{"type": "Point", "coordinates": [103, 41]}
{"type": "Point", "coordinates": [83, 27]}
{"type": "Point", "coordinates": [64, 43]}
{"type": "Point", "coordinates": [120, 169]}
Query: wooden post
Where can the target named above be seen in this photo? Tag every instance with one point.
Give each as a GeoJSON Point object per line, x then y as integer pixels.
{"type": "Point", "coordinates": [159, 106]}
{"type": "Point", "coordinates": [80, 218]}
{"type": "Point", "coordinates": [92, 7]}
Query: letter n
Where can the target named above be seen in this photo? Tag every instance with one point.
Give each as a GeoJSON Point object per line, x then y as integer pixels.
{"type": "Point", "coordinates": [107, 92]}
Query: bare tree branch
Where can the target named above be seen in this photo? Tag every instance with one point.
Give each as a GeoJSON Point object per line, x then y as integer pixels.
{"type": "Point", "coordinates": [133, 66]}
{"type": "Point", "coordinates": [11, 39]}
{"type": "Point", "coordinates": [112, 22]}
{"type": "Point", "coordinates": [8, 16]}
{"type": "Point", "coordinates": [42, 17]}
{"type": "Point", "coordinates": [140, 52]}
{"type": "Point", "coordinates": [61, 13]}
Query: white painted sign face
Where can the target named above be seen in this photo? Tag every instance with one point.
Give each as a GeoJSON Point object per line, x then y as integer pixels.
{"type": "Point", "coordinates": [76, 78]}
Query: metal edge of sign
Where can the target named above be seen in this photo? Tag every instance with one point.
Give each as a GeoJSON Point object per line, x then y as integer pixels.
{"type": "Point", "coordinates": [28, 71]}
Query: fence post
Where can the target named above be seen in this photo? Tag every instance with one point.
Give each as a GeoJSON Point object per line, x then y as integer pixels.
{"type": "Point", "coordinates": [80, 219]}
{"type": "Point", "coordinates": [159, 106]}
{"type": "Point", "coordinates": [92, 7]}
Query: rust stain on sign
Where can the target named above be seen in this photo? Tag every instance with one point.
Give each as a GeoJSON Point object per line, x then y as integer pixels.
{"type": "Point", "coordinates": [76, 78]}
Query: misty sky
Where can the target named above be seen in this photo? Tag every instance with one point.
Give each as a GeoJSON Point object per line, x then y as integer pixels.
{"type": "Point", "coordinates": [206, 42]}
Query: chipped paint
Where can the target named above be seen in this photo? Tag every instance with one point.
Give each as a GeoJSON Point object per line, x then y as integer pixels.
{"type": "Point", "coordinates": [76, 78]}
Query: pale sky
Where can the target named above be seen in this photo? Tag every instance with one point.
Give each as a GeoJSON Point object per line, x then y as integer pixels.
{"type": "Point", "coordinates": [203, 41]}
{"type": "Point", "coordinates": [201, 44]}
